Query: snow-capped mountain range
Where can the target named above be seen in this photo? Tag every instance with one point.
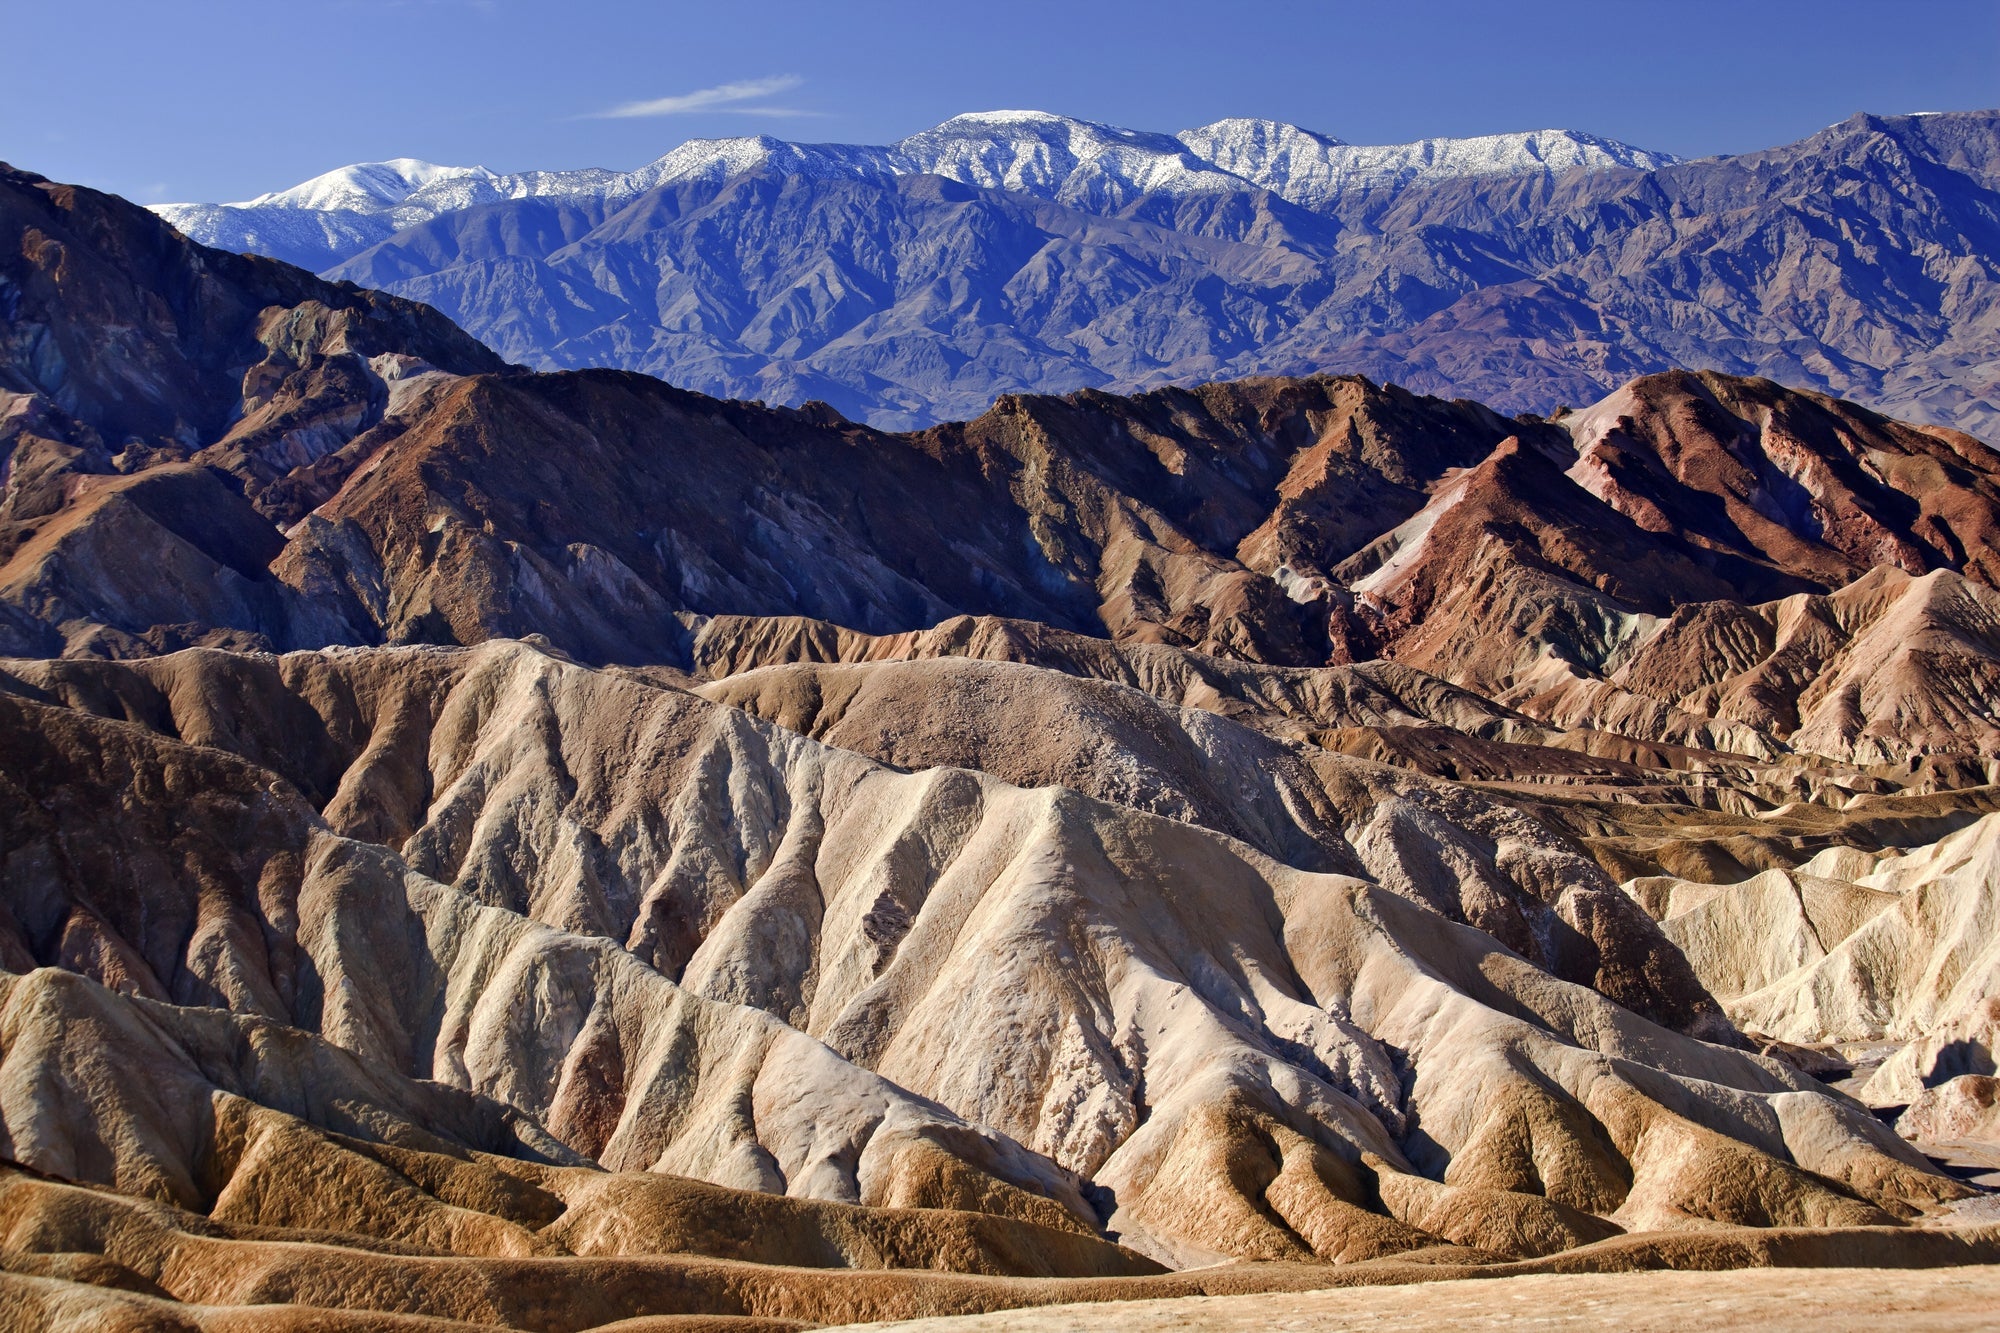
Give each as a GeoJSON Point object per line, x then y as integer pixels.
{"type": "Point", "coordinates": [1018, 252]}
{"type": "Point", "coordinates": [1081, 164]}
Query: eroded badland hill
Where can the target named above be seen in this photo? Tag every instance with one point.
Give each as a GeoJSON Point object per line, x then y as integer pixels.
{"type": "Point", "coordinates": [538, 850]}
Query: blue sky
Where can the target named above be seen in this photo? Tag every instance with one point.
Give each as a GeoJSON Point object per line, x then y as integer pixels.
{"type": "Point", "coordinates": [221, 99]}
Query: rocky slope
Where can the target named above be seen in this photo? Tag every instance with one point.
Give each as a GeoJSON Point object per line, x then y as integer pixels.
{"type": "Point", "coordinates": [566, 849]}
{"type": "Point", "coordinates": [1731, 592]}
{"type": "Point", "coordinates": [1099, 168]}
{"type": "Point", "coordinates": [603, 883]}
{"type": "Point", "coordinates": [1021, 252]}
{"type": "Point", "coordinates": [1854, 949]}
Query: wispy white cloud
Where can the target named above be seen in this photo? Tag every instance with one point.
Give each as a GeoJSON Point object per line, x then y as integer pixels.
{"type": "Point", "coordinates": [484, 8]}
{"type": "Point", "coordinates": [726, 97]}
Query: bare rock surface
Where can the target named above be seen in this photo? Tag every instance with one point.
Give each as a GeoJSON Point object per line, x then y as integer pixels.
{"type": "Point", "coordinates": [1327, 1050]}
{"type": "Point", "coordinates": [1302, 806]}
{"type": "Point", "coordinates": [398, 498]}
{"type": "Point", "coordinates": [700, 859]}
{"type": "Point", "coordinates": [1965, 1106]}
{"type": "Point", "coordinates": [1899, 949]}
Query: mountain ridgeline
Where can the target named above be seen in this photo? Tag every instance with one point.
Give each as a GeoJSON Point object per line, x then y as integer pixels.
{"type": "Point", "coordinates": [321, 464]}
{"type": "Point", "coordinates": [1017, 252]}
{"type": "Point", "coordinates": [550, 848]}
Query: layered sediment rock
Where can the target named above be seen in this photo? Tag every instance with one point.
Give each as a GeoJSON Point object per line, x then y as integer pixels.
{"type": "Point", "coordinates": [1106, 835]}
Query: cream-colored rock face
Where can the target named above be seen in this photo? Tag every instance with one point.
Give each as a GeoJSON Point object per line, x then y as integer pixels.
{"type": "Point", "coordinates": [1960, 1108]}
{"type": "Point", "coordinates": [1283, 701]}
{"type": "Point", "coordinates": [1905, 952]}
{"type": "Point", "coordinates": [633, 926]}
{"type": "Point", "coordinates": [1750, 937]}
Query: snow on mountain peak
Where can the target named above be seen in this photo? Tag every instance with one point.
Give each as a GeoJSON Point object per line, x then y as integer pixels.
{"type": "Point", "coordinates": [1080, 163]}
{"type": "Point", "coordinates": [365, 187]}
{"type": "Point", "coordinates": [1059, 157]}
{"type": "Point", "coordinates": [717, 160]}
{"type": "Point", "coordinates": [971, 119]}
{"type": "Point", "coordinates": [1073, 161]}
{"type": "Point", "coordinates": [1314, 169]}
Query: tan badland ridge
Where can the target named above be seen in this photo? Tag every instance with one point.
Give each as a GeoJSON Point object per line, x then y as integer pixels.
{"type": "Point", "coordinates": [547, 850]}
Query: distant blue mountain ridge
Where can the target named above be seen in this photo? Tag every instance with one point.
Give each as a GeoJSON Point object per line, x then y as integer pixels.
{"type": "Point", "coordinates": [1023, 252]}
